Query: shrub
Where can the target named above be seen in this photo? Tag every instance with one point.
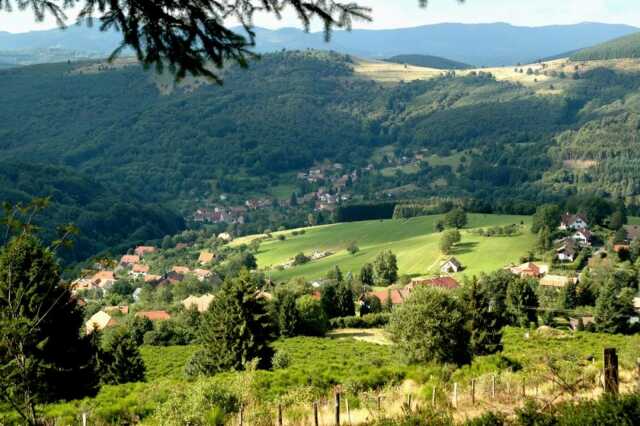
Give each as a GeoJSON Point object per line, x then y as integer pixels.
{"type": "Point", "coordinates": [366, 321]}
{"type": "Point", "coordinates": [312, 318]}
{"type": "Point", "coordinates": [281, 360]}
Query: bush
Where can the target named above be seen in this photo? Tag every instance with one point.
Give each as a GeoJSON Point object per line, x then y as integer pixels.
{"type": "Point", "coordinates": [281, 360]}
{"type": "Point", "coordinates": [312, 318]}
{"type": "Point", "coordinates": [365, 321]}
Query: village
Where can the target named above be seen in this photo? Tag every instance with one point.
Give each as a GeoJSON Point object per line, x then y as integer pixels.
{"type": "Point", "coordinates": [578, 244]}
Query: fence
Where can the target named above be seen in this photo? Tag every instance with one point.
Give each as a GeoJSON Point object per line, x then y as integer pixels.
{"type": "Point", "coordinates": [496, 392]}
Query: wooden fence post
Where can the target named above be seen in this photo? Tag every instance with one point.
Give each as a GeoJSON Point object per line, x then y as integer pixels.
{"type": "Point", "coordinates": [280, 420]}
{"type": "Point", "coordinates": [346, 402]}
{"type": "Point", "coordinates": [473, 391]}
{"type": "Point", "coordinates": [409, 397]}
{"type": "Point", "coordinates": [611, 378]}
{"type": "Point", "coordinates": [524, 388]}
{"type": "Point", "coordinates": [379, 402]}
{"type": "Point", "coordinates": [455, 395]}
{"type": "Point", "coordinates": [493, 387]}
{"type": "Point", "coordinates": [315, 414]}
{"type": "Point", "coordinates": [84, 419]}
{"type": "Point", "coordinates": [638, 372]}
{"type": "Point", "coordinates": [433, 397]}
{"type": "Point", "coordinates": [241, 415]}
{"type": "Point", "coordinates": [337, 408]}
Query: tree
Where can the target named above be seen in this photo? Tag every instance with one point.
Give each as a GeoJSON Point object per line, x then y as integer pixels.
{"type": "Point", "coordinates": [613, 308]}
{"type": "Point", "coordinates": [430, 326]}
{"type": "Point", "coordinates": [617, 219]}
{"type": "Point", "coordinates": [386, 268]}
{"type": "Point", "coordinates": [43, 357]}
{"type": "Point", "coordinates": [235, 330]}
{"type": "Point", "coordinates": [367, 274]}
{"type": "Point", "coordinates": [344, 300]}
{"type": "Point", "coordinates": [138, 326]}
{"type": "Point", "coordinates": [300, 259]}
{"type": "Point", "coordinates": [620, 236]}
{"type": "Point", "coordinates": [570, 295]}
{"type": "Point", "coordinates": [329, 300]}
{"type": "Point", "coordinates": [544, 243]}
{"type": "Point", "coordinates": [288, 315]}
{"type": "Point", "coordinates": [335, 274]}
{"type": "Point", "coordinates": [522, 302]}
{"type": "Point", "coordinates": [353, 248]}
{"type": "Point", "coordinates": [448, 240]}
{"type": "Point", "coordinates": [120, 361]}
{"type": "Point", "coordinates": [456, 218]}
{"type": "Point", "coordinates": [371, 305]}
{"type": "Point", "coordinates": [496, 285]}
{"type": "Point", "coordinates": [313, 320]}
{"type": "Point", "coordinates": [483, 324]}
{"type": "Point", "coordinates": [293, 201]}
{"type": "Point", "coordinates": [546, 215]}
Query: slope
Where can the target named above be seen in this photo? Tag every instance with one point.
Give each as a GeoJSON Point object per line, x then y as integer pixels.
{"type": "Point", "coordinates": [428, 61]}
{"type": "Point", "coordinates": [414, 241]}
{"type": "Point", "coordinates": [621, 48]}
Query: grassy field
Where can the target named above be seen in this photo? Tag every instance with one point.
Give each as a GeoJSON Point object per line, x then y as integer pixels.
{"type": "Point", "coordinates": [414, 241]}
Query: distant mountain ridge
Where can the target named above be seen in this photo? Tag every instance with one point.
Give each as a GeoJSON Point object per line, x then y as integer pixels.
{"type": "Point", "coordinates": [479, 44]}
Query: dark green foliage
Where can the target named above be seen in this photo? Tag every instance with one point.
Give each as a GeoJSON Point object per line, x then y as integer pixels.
{"type": "Point", "coordinates": [170, 333]}
{"type": "Point", "coordinates": [353, 248]}
{"type": "Point", "coordinates": [429, 62]}
{"type": "Point", "coordinates": [344, 300]}
{"type": "Point", "coordinates": [547, 215]}
{"type": "Point", "coordinates": [544, 242]}
{"type": "Point", "coordinates": [570, 297]}
{"type": "Point", "coordinates": [497, 284]}
{"type": "Point", "coordinates": [300, 259]}
{"type": "Point", "coordinates": [357, 212]}
{"type": "Point", "coordinates": [43, 357]}
{"type": "Point", "coordinates": [120, 360]}
{"type": "Point", "coordinates": [456, 218]}
{"type": "Point", "coordinates": [370, 320]}
{"type": "Point", "coordinates": [386, 268]}
{"type": "Point", "coordinates": [483, 323]}
{"type": "Point", "coordinates": [328, 299]}
{"type": "Point", "coordinates": [236, 329]}
{"type": "Point", "coordinates": [623, 47]}
{"type": "Point", "coordinates": [288, 318]}
{"type": "Point", "coordinates": [313, 320]}
{"type": "Point", "coordinates": [370, 305]}
{"type": "Point", "coordinates": [522, 302]}
{"type": "Point", "coordinates": [614, 307]}
{"type": "Point", "coordinates": [430, 326]}
{"type": "Point", "coordinates": [367, 275]}
{"type": "Point", "coordinates": [448, 240]}
{"type": "Point", "coordinates": [137, 327]}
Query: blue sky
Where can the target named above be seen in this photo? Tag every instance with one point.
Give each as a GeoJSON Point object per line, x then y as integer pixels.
{"type": "Point", "coordinates": [406, 13]}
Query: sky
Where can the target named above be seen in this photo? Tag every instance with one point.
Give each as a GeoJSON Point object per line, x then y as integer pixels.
{"type": "Point", "coordinates": [406, 13]}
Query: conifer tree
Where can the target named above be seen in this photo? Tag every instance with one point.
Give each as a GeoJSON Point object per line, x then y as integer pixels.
{"type": "Point", "coordinates": [366, 275]}
{"type": "Point", "coordinates": [288, 318]}
{"type": "Point", "coordinates": [522, 302]}
{"type": "Point", "coordinates": [120, 360]}
{"type": "Point", "coordinates": [235, 330]}
{"type": "Point", "coordinates": [344, 300]}
{"type": "Point", "coordinates": [43, 357]}
{"type": "Point", "coordinates": [483, 324]}
{"type": "Point", "coordinates": [613, 308]}
{"type": "Point", "coordinates": [329, 300]}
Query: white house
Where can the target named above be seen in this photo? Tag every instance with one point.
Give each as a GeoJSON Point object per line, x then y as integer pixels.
{"type": "Point", "coordinates": [573, 222]}
{"type": "Point", "coordinates": [582, 236]}
{"type": "Point", "coordinates": [450, 266]}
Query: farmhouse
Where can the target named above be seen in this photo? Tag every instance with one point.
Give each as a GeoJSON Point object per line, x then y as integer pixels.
{"type": "Point", "coordinates": [567, 252]}
{"type": "Point", "coordinates": [152, 279]}
{"type": "Point", "coordinates": [450, 266]}
{"type": "Point", "coordinates": [202, 274]}
{"type": "Point", "coordinates": [397, 296]}
{"type": "Point", "coordinates": [103, 279]}
{"type": "Point", "coordinates": [181, 270]}
{"type": "Point", "coordinates": [154, 315]}
{"type": "Point", "coordinates": [573, 222]}
{"type": "Point", "coordinates": [138, 270]}
{"type": "Point", "coordinates": [226, 237]}
{"type": "Point", "coordinates": [447, 283]}
{"type": "Point", "coordinates": [582, 237]}
{"type": "Point", "coordinates": [123, 309]}
{"type": "Point", "coordinates": [201, 303]}
{"type": "Point", "coordinates": [129, 259]}
{"type": "Point", "coordinates": [142, 250]}
{"type": "Point", "coordinates": [557, 281]}
{"type": "Point", "coordinates": [205, 257]}
{"type": "Point", "coordinates": [529, 270]}
{"type": "Point", "coordinates": [99, 321]}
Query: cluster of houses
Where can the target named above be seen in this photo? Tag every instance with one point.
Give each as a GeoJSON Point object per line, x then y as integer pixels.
{"type": "Point", "coordinates": [134, 267]}
{"type": "Point", "coordinates": [232, 215]}
{"type": "Point", "coordinates": [110, 315]}
{"type": "Point", "coordinates": [568, 248]}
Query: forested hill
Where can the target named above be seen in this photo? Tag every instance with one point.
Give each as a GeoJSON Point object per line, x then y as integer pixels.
{"type": "Point", "coordinates": [620, 48]}
{"type": "Point", "coordinates": [429, 61]}
{"type": "Point", "coordinates": [107, 220]}
{"type": "Point", "coordinates": [541, 131]}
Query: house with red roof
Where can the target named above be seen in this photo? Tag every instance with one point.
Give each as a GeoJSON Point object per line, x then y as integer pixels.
{"type": "Point", "coordinates": [142, 250]}
{"type": "Point", "coordinates": [447, 283]}
{"type": "Point", "coordinates": [154, 315]}
{"type": "Point", "coordinates": [129, 260]}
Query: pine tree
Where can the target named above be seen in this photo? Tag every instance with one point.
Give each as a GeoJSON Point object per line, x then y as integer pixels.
{"type": "Point", "coordinates": [120, 360]}
{"type": "Point", "coordinates": [545, 243]}
{"type": "Point", "coordinates": [570, 295]}
{"type": "Point", "coordinates": [43, 357]}
{"type": "Point", "coordinates": [613, 309]}
{"type": "Point", "coordinates": [329, 300]}
{"type": "Point", "coordinates": [386, 267]}
{"type": "Point", "coordinates": [522, 302]}
{"type": "Point", "coordinates": [366, 274]}
{"type": "Point", "coordinates": [288, 315]}
{"type": "Point", "coordinates": [344, 300]}
{"type": "Point", "coordinates": [235, 330]}
{"type": "Point", "coordinates": [483, 324]}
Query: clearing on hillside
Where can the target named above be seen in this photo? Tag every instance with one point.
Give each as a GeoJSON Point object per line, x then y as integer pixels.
{"type": "Point", "coordinates": [414, 241]}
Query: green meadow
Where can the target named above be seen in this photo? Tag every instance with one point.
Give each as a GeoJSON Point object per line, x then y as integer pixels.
{"type": "Point", "coordinates": [414, 241]}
